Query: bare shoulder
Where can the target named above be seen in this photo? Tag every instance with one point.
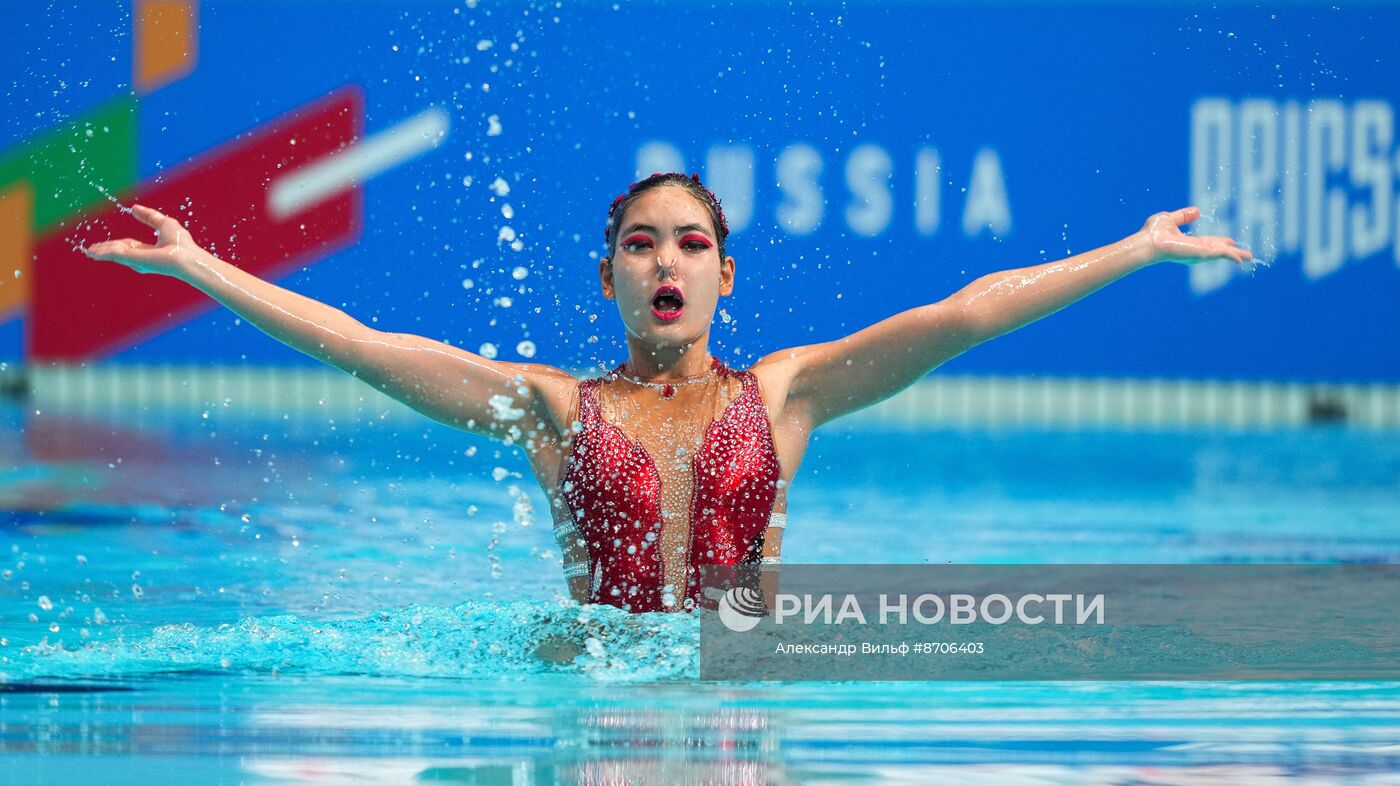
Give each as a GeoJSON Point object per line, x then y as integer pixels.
{"type": "Point", "coordinates": [782, 366]}
{"type": "Point", "coordinates": [542, 375]}
{"type": "Point", "coordinates": [775, 366]}
{"type": "Point", "coordinates": [776, 372]}
{"type": "Point", "coordinates": [552, 388]}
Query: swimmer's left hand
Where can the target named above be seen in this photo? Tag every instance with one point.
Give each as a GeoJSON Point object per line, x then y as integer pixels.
{"type": "Point", "coordinates": [1166, 242]}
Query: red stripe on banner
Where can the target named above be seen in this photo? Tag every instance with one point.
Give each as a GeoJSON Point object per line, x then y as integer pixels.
{"type": "Point", "coordinates": [83, 309]}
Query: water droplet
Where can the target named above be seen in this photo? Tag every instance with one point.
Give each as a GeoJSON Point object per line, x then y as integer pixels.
{"type": "Point", "coordinates": [501, 406]}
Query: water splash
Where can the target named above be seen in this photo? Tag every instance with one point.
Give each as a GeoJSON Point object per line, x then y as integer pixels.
{"type": "Point", "coordinates": [469, 640]}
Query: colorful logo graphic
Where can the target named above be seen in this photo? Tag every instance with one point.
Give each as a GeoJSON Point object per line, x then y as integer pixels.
{"type": "Point", "coordinates": [276, 197]}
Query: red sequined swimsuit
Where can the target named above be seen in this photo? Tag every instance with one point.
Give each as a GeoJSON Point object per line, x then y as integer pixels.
{"type": "Point", "coordinates": [613, 491]}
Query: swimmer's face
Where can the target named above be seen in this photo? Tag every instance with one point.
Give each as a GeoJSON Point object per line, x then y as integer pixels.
{"type": "Point", "coordinates": [667, 239]}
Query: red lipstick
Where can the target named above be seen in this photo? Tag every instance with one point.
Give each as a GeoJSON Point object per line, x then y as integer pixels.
{"type": "Point", "coordinates": [667, 303]}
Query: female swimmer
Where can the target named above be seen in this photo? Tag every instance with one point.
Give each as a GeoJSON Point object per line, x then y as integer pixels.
{"type": "Point", "coordinates": [671, 460]}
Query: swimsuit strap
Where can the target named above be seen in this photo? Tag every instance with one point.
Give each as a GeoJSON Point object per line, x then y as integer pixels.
{"type": "Point", "coordinates": [588, 401]}
{"type": "Point", "coordinates": [566, 531]}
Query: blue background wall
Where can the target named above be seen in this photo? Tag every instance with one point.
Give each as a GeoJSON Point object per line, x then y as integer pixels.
{"type": "Point", "coordinates": [1083, 114]}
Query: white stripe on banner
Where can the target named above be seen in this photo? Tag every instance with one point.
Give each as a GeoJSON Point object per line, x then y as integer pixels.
{"type": "Point", "coordinates": [321, 180]}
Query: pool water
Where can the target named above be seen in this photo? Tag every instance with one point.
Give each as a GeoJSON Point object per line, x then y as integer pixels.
{"type": "Point", "coordinates": [208, 598]}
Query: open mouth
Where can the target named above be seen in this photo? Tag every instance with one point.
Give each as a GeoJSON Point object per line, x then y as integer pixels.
{"type": "Point", "coordinates": [667, 304]}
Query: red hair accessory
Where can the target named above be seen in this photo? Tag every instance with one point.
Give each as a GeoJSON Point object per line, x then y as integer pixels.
{"type": "Point", "coordinates": [694, 177]}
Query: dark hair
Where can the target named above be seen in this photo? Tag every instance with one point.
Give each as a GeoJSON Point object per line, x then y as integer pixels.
{"type": "Point", "coordinates": [690, 183]}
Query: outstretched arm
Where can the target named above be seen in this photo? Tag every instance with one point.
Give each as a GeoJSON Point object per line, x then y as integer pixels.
{"type": "Point", "coordinates": [838, 377]}
{"type": "Point", "coordinates": [451, 385]}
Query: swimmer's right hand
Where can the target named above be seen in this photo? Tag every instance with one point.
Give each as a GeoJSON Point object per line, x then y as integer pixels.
{"type": "Point", "coordinates": [171, 253]}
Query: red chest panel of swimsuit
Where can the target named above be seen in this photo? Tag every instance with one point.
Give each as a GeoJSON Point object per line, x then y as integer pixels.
{"type": "Point", "coordinates": [613, 489]}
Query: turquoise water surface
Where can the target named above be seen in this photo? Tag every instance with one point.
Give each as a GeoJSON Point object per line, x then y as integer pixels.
{"type": "Point", "coordinates": [213, 599]}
